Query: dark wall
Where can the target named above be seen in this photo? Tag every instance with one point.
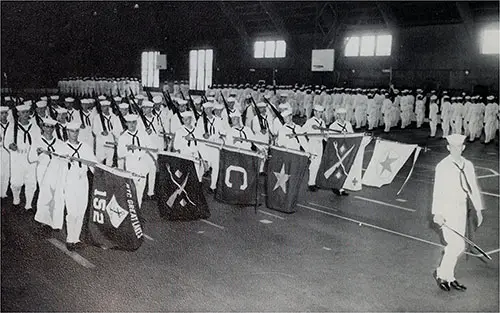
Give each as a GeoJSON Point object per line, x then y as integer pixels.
{"type": "Point", "coordinates": [51, 45]}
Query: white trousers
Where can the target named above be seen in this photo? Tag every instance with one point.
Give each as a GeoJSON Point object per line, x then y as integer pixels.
{"type": "Point", "coordinates": [433, 125]}
{"type": "Point", "coordinates": [455, 245]}
{"type": "Point", "coordinates": [420, 119]}
{"type": "Point", "coordinates": [457, 126]}
{"type": "Point", "coordinates": [445, 126]}
{"type": "Point", "coordinates": [211, 155]}
{"type": "Point", "coordinates": [151, 175]}
{"type": "Point", "coordinates": [316, 148]}
{"type": "Point", "coordinates": [4, 172]}
{"type": "Point", "coordinates": [490, 129]}
{"type": "Point", "coordinates": [50, 202]}
{"type": "Point", "coordinates": [22, 173]}
{"type": "Point", "coordinates": [76, 199]}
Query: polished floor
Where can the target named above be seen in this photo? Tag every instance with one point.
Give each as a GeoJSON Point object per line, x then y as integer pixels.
{"type": "Point", "coordinates": [370, 251]}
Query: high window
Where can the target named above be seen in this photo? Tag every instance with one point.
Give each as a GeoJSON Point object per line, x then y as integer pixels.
{"type": "Point", "coordinates": [200, 68]}
{"type": "Point", "coordinates": [150, 72]}
{"type": "Point", "coordinates": [269, 49]}
{"type": "Point", "coordinates": [490, 41]}
{"type": "Point", "coordinates": [368, 45]}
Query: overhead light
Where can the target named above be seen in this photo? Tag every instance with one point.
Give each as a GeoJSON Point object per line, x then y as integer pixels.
{"type": "Point", "coordinates": [136, 6]}
{"type": "Point", "coordinates": [354, 71]}
{"type": "Point", "coordinates": [466, 72]}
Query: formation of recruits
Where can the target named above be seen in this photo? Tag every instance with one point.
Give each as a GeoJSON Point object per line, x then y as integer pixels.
{"type": "Point", "coordinates": [87, 86]}
{"type": "Point", "coordinates": [135, 129]}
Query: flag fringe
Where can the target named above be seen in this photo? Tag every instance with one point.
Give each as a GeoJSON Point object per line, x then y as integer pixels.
{"type": "Point", "coordinates": [415, 156]}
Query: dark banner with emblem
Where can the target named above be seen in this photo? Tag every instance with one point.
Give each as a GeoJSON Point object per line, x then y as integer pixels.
{"type": "Point", "coordinates": [238, 174]}
{"type": "Point", "coordinates": [337, 160]}
{"type": "Point", "coordinates": [114, 218]}
{"type": "Point", "coordinates": [180, 193]}
{"type": "Point", "coordinates": [284, 177]}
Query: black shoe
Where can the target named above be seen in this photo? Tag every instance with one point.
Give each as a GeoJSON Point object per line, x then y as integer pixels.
{"type": "Point", "coordinates": [336, 191]}
{"type": "Point", "coordinates": [458, 286]}
{"type": "Point", "coordinates": [74, 246]}
{"type": "Point", "coordinates": [344, 193]}
{"type": "Point", "coordinates": [313, 188]}
{"type": "Point", "coordinates": [443, 284]}
{"type": "Point", "coordinates": [29, 212]}
{"type": "Point", "coordinates": [211, 191]}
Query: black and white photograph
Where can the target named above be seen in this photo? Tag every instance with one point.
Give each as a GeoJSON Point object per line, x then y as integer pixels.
{"type": "Point", "coordinates": [250, 156]}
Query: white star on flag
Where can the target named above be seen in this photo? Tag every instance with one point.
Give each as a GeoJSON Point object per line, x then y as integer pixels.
{"type": "Point", "coordinates": [282, 177]}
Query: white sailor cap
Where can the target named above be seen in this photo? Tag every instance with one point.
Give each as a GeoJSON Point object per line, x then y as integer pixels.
{"type": "Point", "coordinates": [490, 98]}
{"type": "Point", "coordinates": [262, 105]}
{"type": "Point", "coordinates": [207, 105]}
{"type": "Point", "coordinates": [123, 105]}
{"type": "Point", "coordinates": [105, 103]}
{"type": "Point", "coordinates": [181, 101]}
{"type": "Point", "coordinates": [69, 99]}
{"type": "Point", "coordinates": [235, 114]}
{"type": "Point", "coordinates": [157, 99]}
{"type": "Point", "coordinates": [396, 91]}
{"type": "Point", "coordinates": [267, 97]}
{"type": "Point", "coordinates": [434, 97]}
{"type": "Point", "coordinates": [444, 97]}
{"type": "Point", "coordinates": [248, 96]}
{"type": "Point", "coordinates": [319, 108]}
{"type": "Point", "coordinates": [130, 117]}
{"type": "Point", "coordinates": [197, 100]}
{"type": "Point", "coordinates": [56, 97]}
{"type": "Point", "coordinates": [285, 106]}
{"type": "Point", "coordinates": [73, 125]}
{"type": "Point", "coordinates": [49, 121]}
{"type": "Point", "coordinates": [419, 90]}
{"type": "Point", "coordinates": [218, 106]}
{"type": "Point", "coordinates": [455, 139]}
{"type": "Point", "coordinates": [211, 99]}
{"type": "Point", "coordinates": [86, 101]}
{"type": "Point", "coordinates": [467, 97]}
{"type": "Point", "coordinates": [101, 98]}
{"type": "Point", "coordinates": [23, 107]}
{"type": "Point", "coordinates": [231, 99]}
{"type": "Point", "coordinates": [44, 98]}
{"type": "Point", "coordinates": [187, 114]}
{"type": "Point", "coordinates": [41, 104]}
{"type": "Point", "coordinates": [147, 104]}
{"type": "Point", "coordinates": [283, 94]}
{"type": "Point", "coordinates": [4, 109]}
{"type": "Point", "coordinates": [211, 93]}
{"type": "Point", "coordinates": [91, 100]}
{"type": "Point", "coordinates": [117, 99]}
{"type": "Point", "coordinates": [61, 110]}
{"type": "Point", "coordinates": [8, 98]}
{"type": "Point", "coordinates": [286, 113]}
{"type": "Point", "coordinates": [139, 97]}
{"type": "Point", "coordinates": [28, 102]}
{"type": "Point", "coordinates": [445, 92]}
{"type": "Point", "coordinates": [453, 98]}
{"type": "Point", "coordinates": [340, 111]}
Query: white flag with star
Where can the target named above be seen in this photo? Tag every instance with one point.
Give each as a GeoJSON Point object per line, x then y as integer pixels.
{"type": "Point", "coordinates": [387, 159]}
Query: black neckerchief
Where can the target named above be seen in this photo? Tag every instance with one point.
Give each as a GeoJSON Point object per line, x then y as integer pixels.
{"type": "Point", "coordinates": [241, 132]}
{"type": "Point", "coordinates": [76, 154]}
{"type": "Point", "coordinates": [191, 133]}
{"type": "Point", "coordinates": [344, 129]}
{"type": "Point", "coordinates": [135, 138]}
{"type": "Point", "coordinates": [4, 127]}
{"type": "Point", "coordinates": [296, 137]}
{"type": "Point", "coordinates": [108, 121]}
{"type": "Point", "coordinates": [212, 127]}
{"type": "Point", "coordinates": [27, 135]}
{"type": "Point", "coordinates": [85, 118]}
{"type": "Point", "coordinates": [70, 115]}
{"type": "Point", "coordinates": [62, 132]}
{"type": "Point", "coordinates": [50, 146]}
{"type": "Point", "coordinates": [150, 123]}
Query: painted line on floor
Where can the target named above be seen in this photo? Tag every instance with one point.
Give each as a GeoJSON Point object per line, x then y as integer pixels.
{"type": "Point", "coordinates": [490, 194]}
{"type": "Point", "coordinates": [148, 237]}
{"type": "Point", "coordinates": [400, 200]}
{"type": "Point", "coordinates": [486, 176]}
{"type": "Point", "coordinates": [265, 221]}
{"type": "Point", "coordinates": [384, 203]}
{"type": "Point", "coordinates": [270, 214]}
{"type": "Point", "coordinates": [213, 224]}
{"type": "Point", "coordinates": [75, 256]}
{"type": "Point", "coordinates": [322, 206]}
{"type": "Point", "coordinates": [384, 229]}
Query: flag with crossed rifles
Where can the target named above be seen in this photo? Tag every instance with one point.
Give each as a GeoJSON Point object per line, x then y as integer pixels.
{"type": "Point", "coordinates": [238, 177]}
{"type": "Point", "coordinates": [180, 194]}
{"type": "Point", "coordinates": [114, 220]}
{"type": "Point", "coordinates": [286, 170]}
{"type": "Point", "coordinates": [337, 160]}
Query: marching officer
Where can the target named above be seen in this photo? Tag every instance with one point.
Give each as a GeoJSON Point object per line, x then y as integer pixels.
{"type": "Point", "coordinates": [433, 116]}
{"type": "Point", "coordinates": [455, 181]}
{"type": "Point", "coordinates": [446, 114]}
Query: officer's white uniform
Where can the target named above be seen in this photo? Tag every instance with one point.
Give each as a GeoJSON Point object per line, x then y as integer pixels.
{"type": "Point", "coordinates": [446, 111]}
{"type": "Point", "coordinates": [420, 111]}
{"type": "Point", "coordinates": [451, 187]}
{"type": "Point", "coordinates": [76, 186]}
{"type": "Point", "coordinates": [433, 116]}
{"type": "Point", "coordinates": [490, 120]}
{"type": "Point", "coordinates": [458, 115]}
{"type": "Point", "coordinates": [387, 114]}
{"type": "Point", "coordinates": [22, 171]}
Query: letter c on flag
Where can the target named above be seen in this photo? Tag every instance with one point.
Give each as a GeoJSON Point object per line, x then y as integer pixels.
{"type": "Point", "coordinates": [236, 169]}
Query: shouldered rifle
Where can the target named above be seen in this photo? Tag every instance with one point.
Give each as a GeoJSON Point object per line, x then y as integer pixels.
{"type": "Point", "coordinates": [115, 107]}
{"type": "Point", "coordinates": [141, 113]}
{"type": "Point", "coordinates": [227, 109]}
{"type": "Point", "coordinates": [259, 116]}
{"type": "Point", "coordinates": [101, 117]}
{"type": "Point", "coordinates": [150, 96]}
{"type": "Point", "coordinates": [275, 111]}
{"type": "Point", "coordinates": [193, 107]}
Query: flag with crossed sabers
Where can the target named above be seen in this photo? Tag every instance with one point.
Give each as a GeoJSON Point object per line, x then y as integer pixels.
{"type": "Point", "coordinates": [180, 194]}
{"type": "Point", "coordinates": [114, 220]}
{"type": "Point", "coordinates": [337, 160]}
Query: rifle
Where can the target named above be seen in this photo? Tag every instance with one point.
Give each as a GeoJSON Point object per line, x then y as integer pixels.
{"type": "Point", "coordinates": [227, 110]}
{"type": "Point", "coordinates": [140, 113]}
{"type": "Point", "coordinates": [116, 108]}
{"type": "Point", "coordinates": [259, 116]}
{"type": "Point", "coordinates": [99, 111]}
{"type": "Point", "coordinates": [275, 111]}
{"type": "Point", "coordinates": [193, 108]}
{"type": "Point", "coordinates": [150, 96]}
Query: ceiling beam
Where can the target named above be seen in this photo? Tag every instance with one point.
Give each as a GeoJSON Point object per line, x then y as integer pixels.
{"type": "Point", "coordinates": [235, 21]}
{"type": "Point", "coordinates": [275, 18]}
{"type": "Point", "coordinates": [466, 16]}
{"type": "Point", "coordinates": [389, 17]}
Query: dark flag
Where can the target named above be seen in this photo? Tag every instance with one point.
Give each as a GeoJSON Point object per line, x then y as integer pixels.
{"type": "Point", "coordinates": [337, 160]}
{"type": "Point", "coordinates": [284, 177]}
{"type": "Point", "coordinates": [180, 196]}
{"type": "Point", "coordinates": [238, 173]}
{"type": "Point", "coordinates": [114, 221]}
